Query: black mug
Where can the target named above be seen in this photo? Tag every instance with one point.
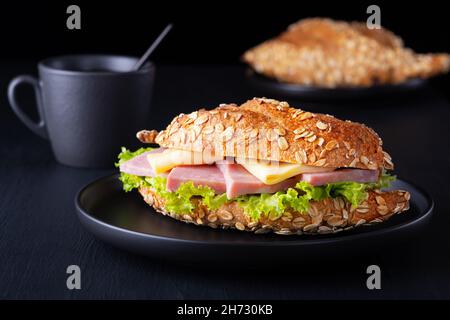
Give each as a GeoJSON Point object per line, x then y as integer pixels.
{"type": "Point", "coordinates": [88, 105]}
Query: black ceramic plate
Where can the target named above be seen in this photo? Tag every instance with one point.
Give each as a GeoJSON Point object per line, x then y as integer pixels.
{"type": "Point", "coordinates": [126, 221]}
{"type": "Point", "coordinates": [317, 93]}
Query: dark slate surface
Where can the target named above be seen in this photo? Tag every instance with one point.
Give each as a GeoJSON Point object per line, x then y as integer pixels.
{"type": "Point", "coordinates": [40, 234]}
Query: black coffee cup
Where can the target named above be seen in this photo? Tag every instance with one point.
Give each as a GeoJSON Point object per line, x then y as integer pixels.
{"type": "Point", "coordinates": [88, 105]}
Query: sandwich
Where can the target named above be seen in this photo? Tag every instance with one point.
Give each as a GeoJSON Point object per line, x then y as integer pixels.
{"type": "Point", "coordinates": [264, 167]}
{"type": "Point", "coordinates": [327, 53]}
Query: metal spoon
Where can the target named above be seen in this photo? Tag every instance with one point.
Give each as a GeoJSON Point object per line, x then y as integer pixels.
{"type": "Point", "coordinates": [152, 48]}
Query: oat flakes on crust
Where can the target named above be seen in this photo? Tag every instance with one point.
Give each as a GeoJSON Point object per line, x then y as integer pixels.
{"type": "Point", "coordinates": [272, 130]}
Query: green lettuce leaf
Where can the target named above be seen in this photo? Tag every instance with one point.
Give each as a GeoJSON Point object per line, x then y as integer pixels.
{"type": "Point", "coordinates": [353, 192]}
{"type": "Point", "coordinates": [273, 205]}
{"type": "Point", "coordinates": [158, 183]}
{"type": "Point", "coordinates": [131, 182]}
{"type": "Point", "coordinates": [216, 201]}
{"type": "Point", "coordinates": [313, 193]}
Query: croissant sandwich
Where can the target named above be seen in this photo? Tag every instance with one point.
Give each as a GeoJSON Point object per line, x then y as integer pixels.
{"type": "Point", "coordinates": [264, 167]}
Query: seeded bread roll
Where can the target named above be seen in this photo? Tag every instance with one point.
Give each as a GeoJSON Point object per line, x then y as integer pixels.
{"type": "Point", "coordinates": [326, 216]}
{"type": "Point", "coordinates": [327, 53]}
{"type": "Point", "coordinates": [267, 129]}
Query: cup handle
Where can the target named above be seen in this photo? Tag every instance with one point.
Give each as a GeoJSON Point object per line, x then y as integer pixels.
{"type": "Point", "coordinates": [37, 127]}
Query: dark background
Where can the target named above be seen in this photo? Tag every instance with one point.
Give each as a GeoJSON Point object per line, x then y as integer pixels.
{"type": "Point", "coordinates": [205, 31]}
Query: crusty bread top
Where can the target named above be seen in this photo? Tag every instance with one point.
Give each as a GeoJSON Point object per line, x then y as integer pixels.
{"type": "Point", "coordinates": [271, 130]}
{"type": "Point", "coordinates": [328, 53]}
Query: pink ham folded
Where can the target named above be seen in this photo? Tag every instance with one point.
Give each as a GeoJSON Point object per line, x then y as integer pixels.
{"type": "Point", "coordinates": [139, 165]}
{"type": "Point", "coordinates": [200, 175]}
{"type": "Point", "coordinates": [344, 175]}
{"type": "Point", "coordinates": [239, 181]}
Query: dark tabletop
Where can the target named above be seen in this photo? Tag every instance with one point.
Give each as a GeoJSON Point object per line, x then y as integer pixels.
{"type": "Point", "coordinates": [40, 234]}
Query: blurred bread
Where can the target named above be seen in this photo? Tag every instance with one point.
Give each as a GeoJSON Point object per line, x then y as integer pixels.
{"type": "Point", "coordinates": [327, 53]}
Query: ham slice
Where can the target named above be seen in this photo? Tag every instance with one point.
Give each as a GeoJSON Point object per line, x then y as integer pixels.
{"type": "Point", "coordinates": [239, 181]}
{"type": "Point", "coordinates": [343, 175]}
{"type": "Point", "coordinates": [224, 177]}
{"type": "Point", "coordinates": [139, 165]}
{"type": "Point", "coordinates": [200, 175]}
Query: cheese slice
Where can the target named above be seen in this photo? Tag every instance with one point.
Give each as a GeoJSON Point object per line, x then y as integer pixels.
{"type": "Point", "coordinates": [170, 158]}
{"type": "Point", "coordinates": [274, 172]}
